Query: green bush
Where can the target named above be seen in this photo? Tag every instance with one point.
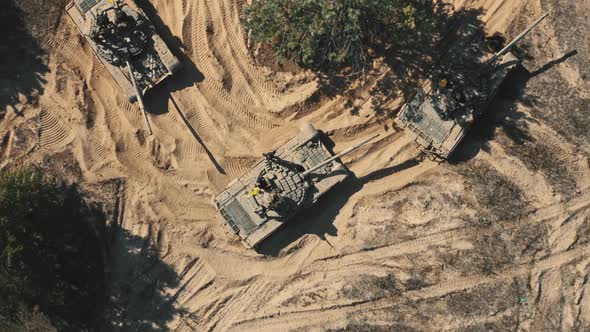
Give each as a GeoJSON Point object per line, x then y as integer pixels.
{"type": "Point", "coordinates": [333, 33]}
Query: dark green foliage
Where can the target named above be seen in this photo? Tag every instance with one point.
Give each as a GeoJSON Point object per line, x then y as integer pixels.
{"type": "Point", "coordinates": [22, 60]}
{"type": "Point", "coordinates": [49, 256]}
{"type": "Point", "coordinates": [332, 33]}
{"type": "Point", "coordinates": [29, 322]}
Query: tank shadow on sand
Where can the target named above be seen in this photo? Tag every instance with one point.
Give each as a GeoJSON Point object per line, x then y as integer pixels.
{"type": "Point", "coordinates": [189, 74]}
{"type": "Point", "coordinates": [197, 137]}
{"type": "Point", "coordinates": [160, 98]}
{"type": "Point", "coordinates": [502, 113]}
{"type": "Point", "coordinates": [138, 299]}
{"type": "Point", "coordinates": [319, 219]}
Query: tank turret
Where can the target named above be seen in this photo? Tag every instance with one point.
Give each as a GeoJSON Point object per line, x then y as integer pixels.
{"type": "Point", "coordinates": [458, 91]}
{"type": "Point", "coordinates": [126, 43]}
{"type": "Point", "coordinates": [279, 186]}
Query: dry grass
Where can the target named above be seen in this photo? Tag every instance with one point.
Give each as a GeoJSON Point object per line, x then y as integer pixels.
{"type": "Point", "coordinates": [485, 300]}
{"type": "Point", "coordinates": [583, 233]}
{"type": "Point", "coordinates": [499, 246]}
{"type": "Point", "coordinates": [498, 197]}
{"type": "Point", "coordinates": [540, 157]}
{"type": "Point", "coordinates": [373, 287]}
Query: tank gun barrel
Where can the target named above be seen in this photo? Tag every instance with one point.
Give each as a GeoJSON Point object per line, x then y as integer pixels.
{"type": "Point", "coordinates": [341, 154]}
{"type": "Point", "coordinates": [518, 38]}
{"type": "Point", "coordinates": [139, 97]}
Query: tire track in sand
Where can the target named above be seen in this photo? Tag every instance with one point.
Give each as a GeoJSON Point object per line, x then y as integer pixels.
{"type": "Point", "coordinates": [53, 134]}
{"type": "Point", "coordinates": [195, 277]}
{"type": "Point", "coordinates": [71, 49]}
{"type": "Point", "coordinates": [237, 305]}
{"type": "Point", "coordinates": [322, 317]}
{"type": "Point", "coordinates": [543, 215]}
{"type": "Point", "coordinates": [197, 32]}
{"type": "Point", "coordinates": [138, 163]}
{"type": "Point", "coordinates": [258, 89]}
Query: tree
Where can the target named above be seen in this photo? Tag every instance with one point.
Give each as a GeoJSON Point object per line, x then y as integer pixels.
{"type": "Point", "coordinates": [24, 196]}
{"type": "Point", "coordinates": [48, 257]}
{"type": "Point", "coordinates": [334, 33]}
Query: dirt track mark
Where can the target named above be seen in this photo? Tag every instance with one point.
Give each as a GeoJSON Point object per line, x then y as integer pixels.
{"type": "Point", "coordinates": [53, 134]}
{"type": "Point", "coordinates": [324, 316]}
{"type": "Point", "coordinates": [73, 49]}
{"type": "Point", "coordinates": [378, 254]}
{"type": "Point", "coordinates": [194, 277]}
{"type": "Point", "coordinates": [246, 302]}
{"type": "Point", "coordinates": [545, 215]}
{"type": "Point", "coordinates": [260, 88]}
{"type": "Point", "coordinates": [212, 88]}
{"type": "Point", "coordinates": [135, 157]}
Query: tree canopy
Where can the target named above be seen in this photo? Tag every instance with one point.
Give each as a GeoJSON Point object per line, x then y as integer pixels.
{"type": "Point", "coordinates": [48, 257]}
{"type": "Point", "coordinates": [333, 33]}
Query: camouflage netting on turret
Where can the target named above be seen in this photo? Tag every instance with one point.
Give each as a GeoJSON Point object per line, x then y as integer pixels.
{"type": "Point", "coordinates": [119, 33]}
{"type": "Point", "coordinates": [462, 84]}
{"type": "Point", "coordinates": [122, 34]}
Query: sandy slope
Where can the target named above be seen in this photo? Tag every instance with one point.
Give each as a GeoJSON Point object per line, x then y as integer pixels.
{"type": "Point", "coordinates": [397, 246]}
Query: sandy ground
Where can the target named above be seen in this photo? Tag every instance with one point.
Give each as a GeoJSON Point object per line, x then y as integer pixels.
{"type": "Point", "coordinates": [499, 240]}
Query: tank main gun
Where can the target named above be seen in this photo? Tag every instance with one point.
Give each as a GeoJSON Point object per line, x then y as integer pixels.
{"type": "Point", "coordinates": [518, 38]}
{"type": "Point", "coordinates": [139, 96]}
{"type": "Point", "coordinates": [127, 44]}
{"type": "Point", "coordinates": [275, 189]}
{"type": "Point", "coordinates": [341, 154]}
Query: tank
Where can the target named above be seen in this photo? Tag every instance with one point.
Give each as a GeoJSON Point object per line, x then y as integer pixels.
{"type": "Point", "coordinates": [280, 185]}
{"type": "Point", "coordinates": [457, 92]}
{"type": "Point", "coordinates": [126, 43]}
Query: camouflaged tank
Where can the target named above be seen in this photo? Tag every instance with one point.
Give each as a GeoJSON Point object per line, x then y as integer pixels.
{"type": "Point", "coordinates": [277, 187]}
{"type": "Point", "coordinates": [458, 91]}
{"type": "Point", "coordinates": [126, 43]}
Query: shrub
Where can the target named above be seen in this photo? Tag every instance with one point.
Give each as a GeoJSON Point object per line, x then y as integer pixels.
{"type": "Point", "coordinates": [49, 256]}
{"type": "Point", "coordinates": [333, 33]}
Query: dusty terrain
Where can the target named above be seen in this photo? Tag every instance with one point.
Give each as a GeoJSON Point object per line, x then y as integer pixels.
{"type": "Point", "coordinates": [497, 240]}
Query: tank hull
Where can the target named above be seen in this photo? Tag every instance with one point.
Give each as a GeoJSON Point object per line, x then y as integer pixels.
{"type": "Point", "coordinates": [439, 137]}
{"type": "Point", "coordinates": [81, 11]}
{"type": "Point", "coordinates": [238, 210]}
{"type": "Point", "coordinates": [458, 90]}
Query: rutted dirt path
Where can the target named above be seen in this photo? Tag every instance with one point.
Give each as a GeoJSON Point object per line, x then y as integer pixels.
{"type": "Point", "coordinates": [405, 243]}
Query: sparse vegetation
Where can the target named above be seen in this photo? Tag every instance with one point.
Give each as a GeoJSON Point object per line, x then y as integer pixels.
{"type": "Point", "coordinates": [485, 300]}
{"type": "Point", "coordinates": [540, 157]}
{"type": "Point", "coordinates": [333, 33]}
{"type": "Point", "coordinates": [365, 326]}
{"type": "Point", "coordinates": [499, 198]}
{"type": "Point", "coordinates": [416, 283]}
{"type": "Point", "coordinates": [373, 287]}
{"type": "Point", "coordinates": [498, 247]}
